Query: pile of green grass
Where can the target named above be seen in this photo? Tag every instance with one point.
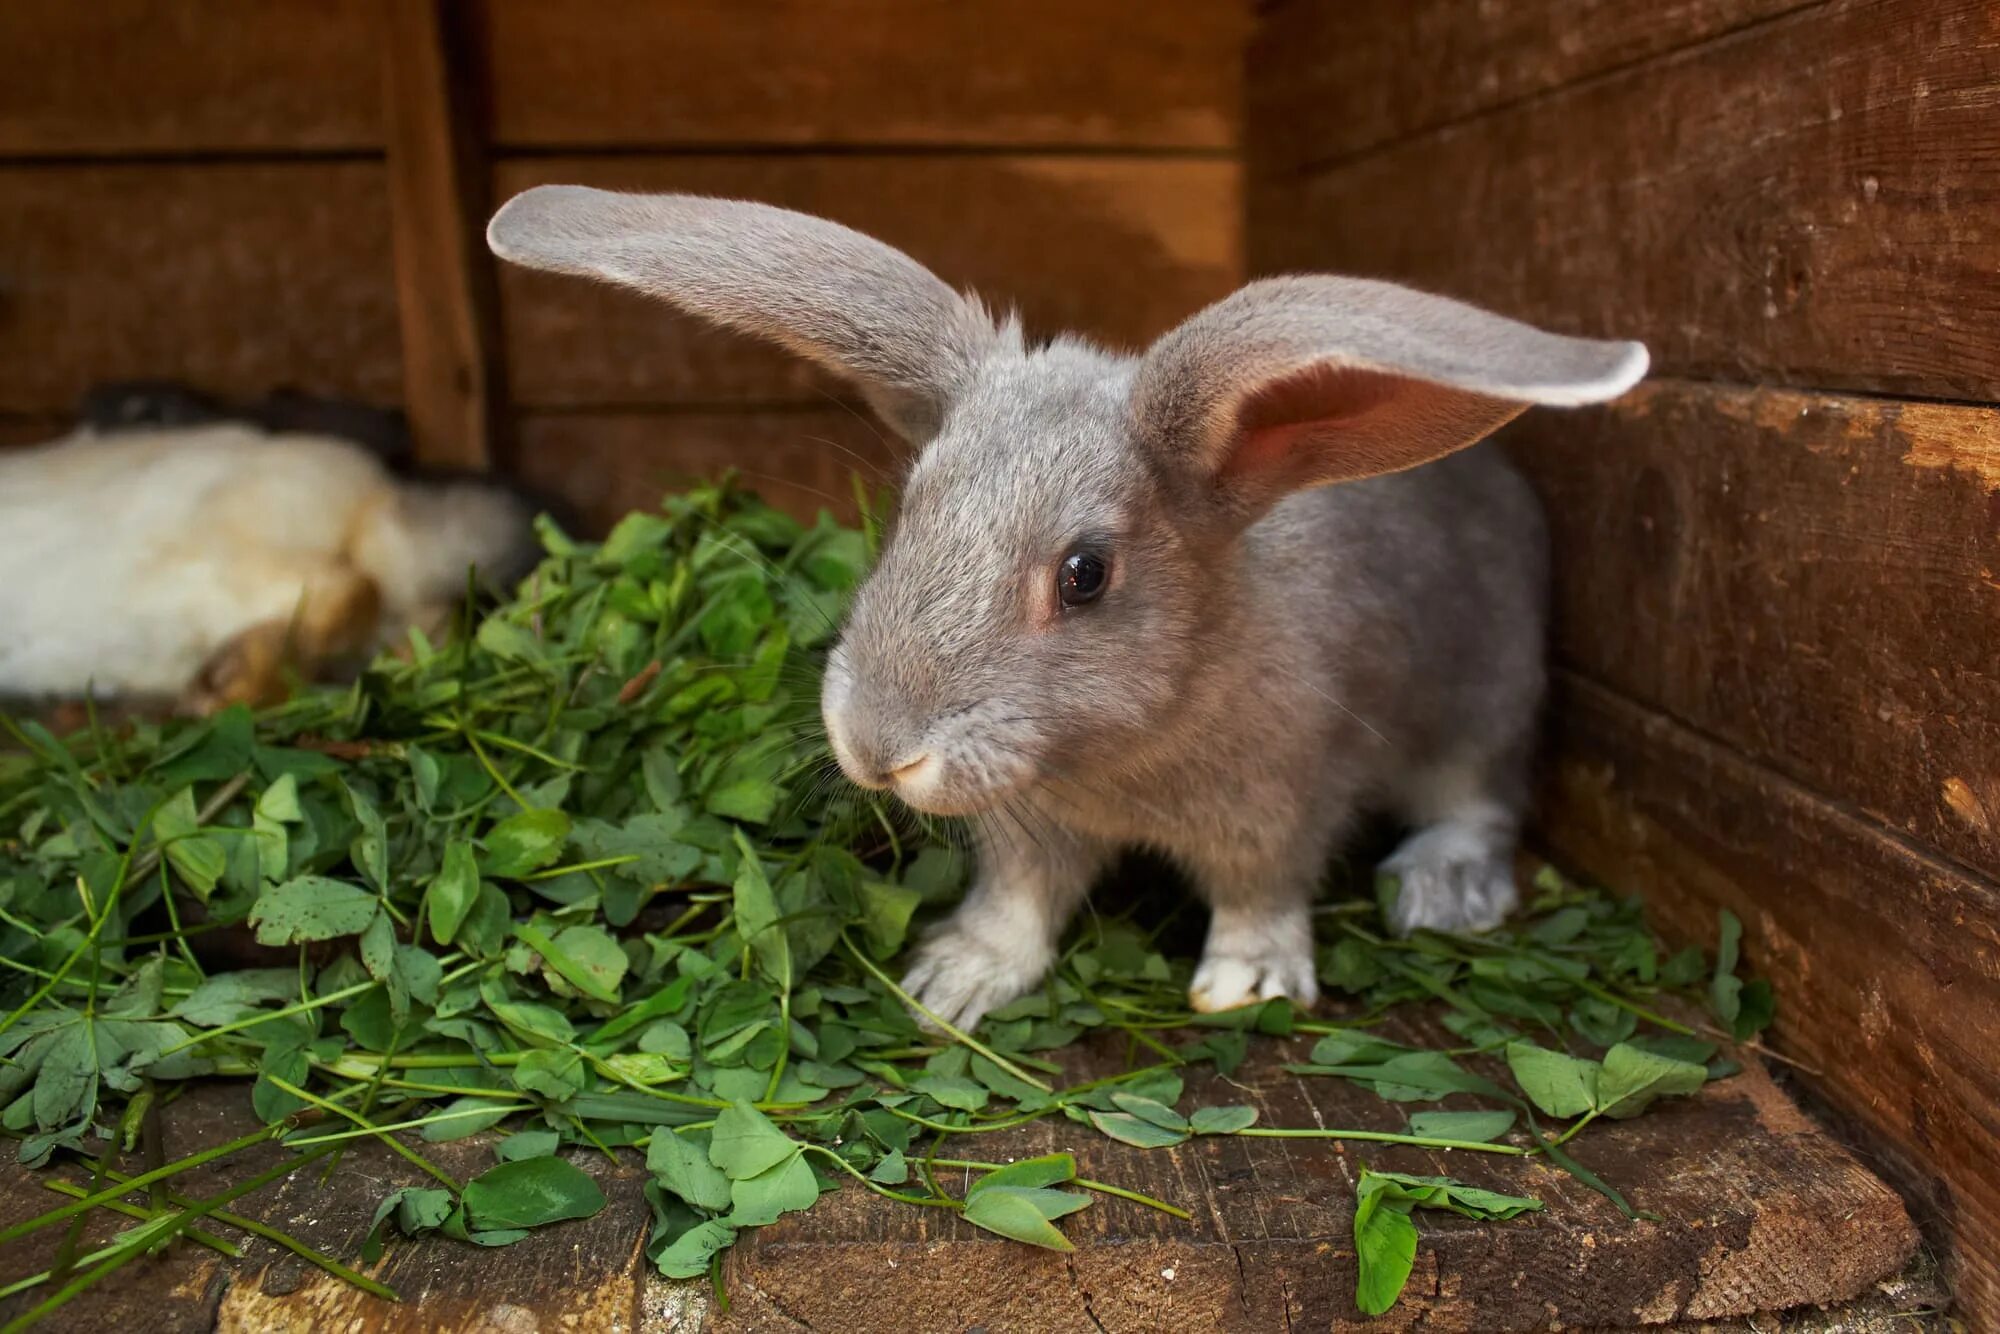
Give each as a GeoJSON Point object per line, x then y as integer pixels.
{"type": "Point", "coordinates": [584, 873]}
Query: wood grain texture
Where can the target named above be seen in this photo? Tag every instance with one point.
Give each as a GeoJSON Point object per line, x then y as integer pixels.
{"type": "Point", "coordinates": [1270, 1246]}
{"type": "Point", "coordinates": [1759, 1210]}
{"type": "Point", "coordinates": [446, 295]}
{"type": "Point", "coordinates": [30, 429]}
{"type": "Point", "coordinates": [1337, 77]}
{"type": "Point", "coordinates": [236, 278]}
{"type": "Point", "coordinates": [1117, 248]}
{"type": "Point", "coordinates": [583, 1276]}
{"type": "Point", "coordinates": [1110, 73]}
{"type": "Point", "coordinates": [137, 76]}
{"type": "Point", "coordinates": [1813, 580]}
{"type": "Point", "coordinates": [1813, 201]}
{"type": "Point", "coordinates": [601, 466]}
{"type": "Point", "coordinates": [1886, 960]}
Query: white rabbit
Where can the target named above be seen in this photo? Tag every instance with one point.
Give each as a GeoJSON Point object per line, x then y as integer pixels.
{"type": "Point", "coordinates": [203, 562]}
{"type": "Point", "coordinates": [1122, 605]}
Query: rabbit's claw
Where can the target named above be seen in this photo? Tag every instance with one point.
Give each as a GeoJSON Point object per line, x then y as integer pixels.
{"type": "Point", "coordinates": [1255, 953]}
{"type": "Point", "coordinates": [1226, 981]}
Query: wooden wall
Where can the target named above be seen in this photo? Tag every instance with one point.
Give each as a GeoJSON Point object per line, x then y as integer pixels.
{"type": "Point", "coordinates": [252, 193]}
{"type": "Point", "coordinates": [1779, 561]}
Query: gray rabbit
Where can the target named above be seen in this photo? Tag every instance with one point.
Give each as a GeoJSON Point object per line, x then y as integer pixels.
{"type": "Point", "coordinates": [1121, 605]}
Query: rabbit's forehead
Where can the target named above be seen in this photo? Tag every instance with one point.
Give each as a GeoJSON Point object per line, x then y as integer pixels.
{"type": "Point", "coordinates": [1037, 450]}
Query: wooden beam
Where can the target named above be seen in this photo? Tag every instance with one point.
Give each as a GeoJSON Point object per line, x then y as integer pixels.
{"type": "Point", "coordinates": [236, 277]}
{"type": "Point", "coordinates": [1885, 960]}
{"type": "Point", "coordinates": [1336, 79]}
{"type": "Point", "coordinates": [1755, 1209]}
{"type": "Point", "coordinates": [1808, 578]}
{"type": "Point", "coordinates": [1158, 74]}
{"type": "Point", "coordinates": [122, 78]}
{"type": "Point", "coordinates": [1806, 202]}
{"type": "Point", "coordinates": [452, 386]}
{"type": "Point", "coordinates": [801, 457]}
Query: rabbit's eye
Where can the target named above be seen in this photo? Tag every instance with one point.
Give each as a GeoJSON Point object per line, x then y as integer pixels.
{"type": "Point", "coordinates": [1080, 579]}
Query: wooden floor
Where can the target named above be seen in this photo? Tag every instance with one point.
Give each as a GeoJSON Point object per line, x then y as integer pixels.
{"type": "Point", "coordinates": [1759, 1210]}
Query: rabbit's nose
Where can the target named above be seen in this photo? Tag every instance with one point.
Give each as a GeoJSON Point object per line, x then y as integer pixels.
{"type": "Point", "coordinates": [911, 771]}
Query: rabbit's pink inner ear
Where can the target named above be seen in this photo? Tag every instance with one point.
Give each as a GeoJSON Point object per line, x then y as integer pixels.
{"type": "Point", "coordinates": [1340, 424]}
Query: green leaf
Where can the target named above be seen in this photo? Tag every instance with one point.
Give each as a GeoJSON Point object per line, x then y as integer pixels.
{"type": "Point", "coordinates": [227, 997]}
{"type": "Point", "coordinates": [311, 907]}
{"type": "Point", "coordinates": [525, 842]}
{"type": "Point", "coordinates": [555, 1073]}
{"type": "Point", "coordinates": [527, 1144]}
{"type": "Point", "coordinates": [955, 1091]}
{"type": "Point", "coordinates": [744, 1142]}
{"type": "Point", "coordinates": [1725, 989]}
{"type": "Point", "coordinates": [504, 639]}
{"type": "Point", "coordinates": [459, 1118]}
{"type": "Point", "coordinates": [1756, 1007]}
{"type": "Point", "coordinates": [416, 1209]}
{"type": "Point", "coordinates": [370, 850]}
{"type": "Point", "coordinates": [585, 957]}
{"type": "Point", "coordinates": [751, 798]}
{"type": "Point", "coordinates": [1222, 1120]}
{"type": "Point", "coordinates": [777, 1190]}
{"type": "Point", "coordinates": [453, 891]}
{"type": "Point", "coordinates": [894, 1171]}
{"type": "Point", "coordinates": [691, 1252]}
{"type": "Point", "coordinates": [199, 858]}
{"type": "Point", "coordinates": [683, 1167]}
{"type": "Point", "coordinates": [1444, 1193]}
{"type": "Point", "coordinates": [1632, 1078]}
{"type": "Point", "coordinates": [885, 915]}
{"type": "Point", "coordinates": [530, 1193]}
{"type": "Point", "coordinates": [1013, 1213]}
{"type": "Point", "coordinates": [663, 857]}
{"type": "Point", "coordinates": [1684, 969]}
{"type": "Point", "coordinates": [757, 917]}
{"type": "Point", "coordinates": [66, 1087]}
{"type": "Point", "coordinates": [1129, 1129]}
{"type": "Point", "coordinates": [1385, 1246]}
{"type": "Point", "coordinates": [1048, 1170]}
{"type": "Point", "coordinates": [1385, 1240]}
{"type": "Point", "coordinates": [1559, 1085]}
{"type": "Point", "coordinates": [1465, 1127]}
{"type": "Point", "coordinates": [1151, 1110]}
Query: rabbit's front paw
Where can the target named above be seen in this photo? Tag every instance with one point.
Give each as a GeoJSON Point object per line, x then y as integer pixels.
{"type": "Point", "coordinates": [1452, 878]}
{"type": "Point", "coordinates": [1226, 979]}
{"type": "Point", "coordinates": [958, 976]}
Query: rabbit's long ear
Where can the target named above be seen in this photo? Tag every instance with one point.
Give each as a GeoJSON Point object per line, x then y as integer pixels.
{"type": "Point", "coordinates": [859, 307]}
{"type": "Point", "coordinates": [1300, 381]}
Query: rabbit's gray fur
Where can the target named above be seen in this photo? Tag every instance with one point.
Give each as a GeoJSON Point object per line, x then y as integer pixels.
{"type": "Point", "coordinates": [1268, 659]}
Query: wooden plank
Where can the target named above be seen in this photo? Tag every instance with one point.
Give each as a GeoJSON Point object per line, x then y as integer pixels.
{"type": "Point", "coordinates": [583, 1276]}
{"type": "Point", "coordinates": [1886, 961]}
{"type": "Point", "coordinates": [1122, 73]}
{"type": "Point", "coordinates": [444, 272]}
{"type": "Point", "coordinates": [1812, 201]}
{"type": "Point", "coordinates": [30, 429]}
{"type": "Point", "coordinates": [236, 278]}
{"type": "Point", "coordinates": [1809, 579]}
{"type": "Point", "coordinates": [121, 77]}
{"type": "Point", "coordinates": [1332, 79]}
{"type": "Point", "coordinates": [1118, 248]}
{"type": "Point", "coordinates": [598, 467]}
{"type": "Point", "coordinates": [1758, 1210]}
{"type": "Point", "coordinates": [1270, 1245]}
